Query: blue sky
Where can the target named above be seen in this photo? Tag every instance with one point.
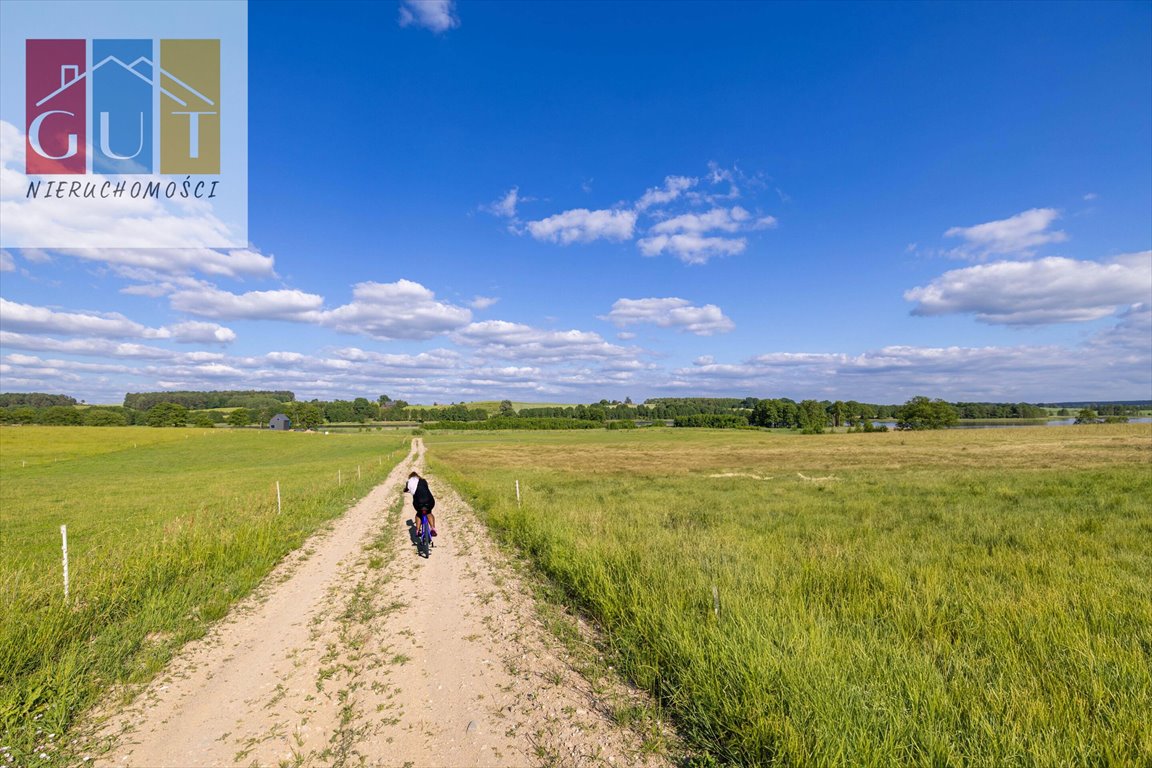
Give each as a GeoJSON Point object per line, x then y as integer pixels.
{"type": "Point", "coordinates": [573, 201]}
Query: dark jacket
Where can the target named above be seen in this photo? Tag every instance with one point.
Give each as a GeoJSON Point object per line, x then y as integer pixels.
{"type": "Point", "coordinates": [422, 497]}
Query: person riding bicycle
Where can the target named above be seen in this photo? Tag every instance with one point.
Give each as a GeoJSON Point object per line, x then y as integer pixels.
{"type": "Point", "coordinates": [422, 501]}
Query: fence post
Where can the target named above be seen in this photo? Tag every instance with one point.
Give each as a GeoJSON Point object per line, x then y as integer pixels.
{"type": "Point", "coordinates": [339, 477]}
{"type": "Point", "coordinates": [716, 600]}
{"type": "Point", "coordinates": [517, 493]}
{"type": "Point", "coordinates": [64, 547]}
{"type": "Point", "coordinates": [279, 508]}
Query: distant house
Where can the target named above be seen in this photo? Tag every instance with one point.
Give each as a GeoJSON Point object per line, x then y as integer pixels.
{"type": "Point", "coordinates": [281, 422]}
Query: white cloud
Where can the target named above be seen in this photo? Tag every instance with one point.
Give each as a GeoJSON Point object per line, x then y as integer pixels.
{"type": "Point", "coordinates": [1117, 361]}
{"type": "Point", "coordinates": [1020, 234]}
{"type": "Point", "coordinates": [209, 301]}
{"type": "Point", "coordinates": [671, 313]}
{"type": "Point", "coordinates": [673, 187]}
{"type": "Point", "coordinates": [692, 248]}
{"type": "Point", "coordinates": [436, 360]}
{"type": "Point", "coordinates": [581, 225]}
{"type": "Point", "coordinates": [1048, 290]}
{"type": "Point", "coordinates": [723, 219]}
{"type": "Point", "coordinates": [436, 15]}
{"type": "Point", "coordinates": [85, 346]}
{"type": "Point", "coordinates": [684, 235]}
{"type": "Point", "coordinates": [693, 237]}
{"type": "Point", "coordinates": [718, 176]}
{"type": "Point", "coordinates": [167, 262]}
{"type": "Point", "coordinates": [193, 332]}
{"type": "Point", "coordinates": [1126, 344]}
{"type": "Point", "coordinates": [7, 262]}
{"type": "Point", "coordinates": [482, 302]}
{"type": "Point", "coordinates": [31, 364]}
{"type": "Point", "coordinates": [112, 325]}
{"type": "Point", "coordinates": [503, 339]}
{"type": "Point", "coordinates": [400, 310]}
{"type": "Point", "coordinates": [505, 206]}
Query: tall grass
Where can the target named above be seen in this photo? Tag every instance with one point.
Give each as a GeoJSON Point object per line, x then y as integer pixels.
{"type": "Point", "coordinates": [166, 529]}
{"type": "Point", "coordinates": [960, 598]}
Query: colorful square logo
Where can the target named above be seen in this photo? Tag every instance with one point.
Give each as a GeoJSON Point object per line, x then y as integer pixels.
{"type": "Point", "coordinates": [153, 106]}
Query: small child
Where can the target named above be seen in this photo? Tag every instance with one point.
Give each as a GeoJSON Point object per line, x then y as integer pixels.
{"type": "Point", "coordinates": [422, 501]}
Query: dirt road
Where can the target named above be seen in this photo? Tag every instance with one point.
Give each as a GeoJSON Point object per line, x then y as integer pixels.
{"type": "Point", "coordinates": [356, 651]}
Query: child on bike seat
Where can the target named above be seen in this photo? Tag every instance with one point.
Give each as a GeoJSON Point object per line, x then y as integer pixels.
{"type": "Point", "coordinates": [422, 501]}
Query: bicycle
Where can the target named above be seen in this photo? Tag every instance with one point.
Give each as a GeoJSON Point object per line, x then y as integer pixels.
{"type": "Point", "coordinates": [424, 540]}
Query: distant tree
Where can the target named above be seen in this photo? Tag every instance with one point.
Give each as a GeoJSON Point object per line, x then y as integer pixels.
{"type": "Point", "coordinates": [167, 415]}
{"type": "Point", "coordinates": [813, 417]}
{"type": "Point", "coordinates": [61, 416]}
{"type": "Point", "coordinates": [338, 411]}
{"type": "Point", "coordinates": [711, 420]}
{"type": "Point", "coordinates": [839, 412]}
{"type": "Point", "coordinates": [144, 401]}
{"type": "Point", "coordinates": [203, 419]}
{"type": "Point", "coordinates": [365, 410]}
{"type": "Point", "coordinates": [309, 416]}
{"type": "Point", "coordinates": [241, 417]}
{"type": "Point", "coordinates": [506, 408]}
{"type": "Point", "coordinates": [855, 413]}
{"type": "Point", "coordinates": [1087, 416]}
{"type": "Point", "coordinates": [256, 403]}
{"type": "Point", "coordinates": [24, 415]}
{"type": "Point", "coordinates": [34, 399]}
{"type": "Point", "coordinates": [597, 412]}
{"type": "Point", "coordinates": [104, 417]}
{"type": "Point", "coordinates": [922, 413]}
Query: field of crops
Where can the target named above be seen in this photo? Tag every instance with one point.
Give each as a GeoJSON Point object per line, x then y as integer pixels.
{"type": "Point", "coordinates": [972, 597]}
{"type": "Point", "coordinates": [166, 529]}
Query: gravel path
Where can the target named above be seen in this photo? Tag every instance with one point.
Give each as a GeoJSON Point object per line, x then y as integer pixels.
{"type": "Point", "coordinates": [356, 651]}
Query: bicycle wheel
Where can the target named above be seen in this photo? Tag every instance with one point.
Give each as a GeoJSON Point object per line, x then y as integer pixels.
{"type": "Point", "coordinates": [423, 542]}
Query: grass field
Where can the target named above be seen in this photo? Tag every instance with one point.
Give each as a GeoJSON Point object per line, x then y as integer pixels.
{"type": "Point", "coordinates": [970, 597]}
{"type": "Point", "coordinates": [166, 529]}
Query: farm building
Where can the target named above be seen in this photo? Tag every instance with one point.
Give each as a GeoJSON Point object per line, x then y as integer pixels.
{"type": "Point", "coordinates": [281, 422]}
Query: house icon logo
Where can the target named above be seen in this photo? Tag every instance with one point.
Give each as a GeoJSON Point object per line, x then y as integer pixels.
{"type": "Point", "coordinates": [155, 105]}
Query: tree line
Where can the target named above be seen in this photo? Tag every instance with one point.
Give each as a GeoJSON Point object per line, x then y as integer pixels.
{"type": "Point", "coordinates": [257, 407]}
{"type": "Point", "coordinates": [33, 400]}
{"type": "Point", "coordinates": [199, 401]}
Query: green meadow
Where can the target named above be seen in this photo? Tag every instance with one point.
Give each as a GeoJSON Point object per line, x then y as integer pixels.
{"type": "Point", "coordinates": [969, 597]}
{"type": "Point", "coordinates": [167, 528]}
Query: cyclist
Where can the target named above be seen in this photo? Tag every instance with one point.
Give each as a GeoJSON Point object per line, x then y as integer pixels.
{"type": "Point", "coordinates": [422, 501]}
